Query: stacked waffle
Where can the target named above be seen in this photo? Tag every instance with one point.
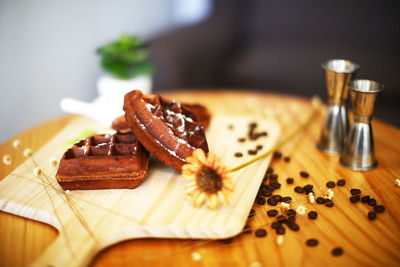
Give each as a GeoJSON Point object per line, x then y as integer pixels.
{"type": "Point", "coordinates": [169, 130]}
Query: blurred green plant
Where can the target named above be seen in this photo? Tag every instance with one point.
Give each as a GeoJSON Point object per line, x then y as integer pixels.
{"type": "Point", "coordinates": [126, 57]}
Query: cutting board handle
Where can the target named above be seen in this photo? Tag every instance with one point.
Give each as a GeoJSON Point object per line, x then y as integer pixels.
{"type": "Point", "coordinates": [63, 253]}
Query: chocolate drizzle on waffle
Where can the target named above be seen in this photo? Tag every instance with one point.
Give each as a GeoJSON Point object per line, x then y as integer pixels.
{"type": "Point", "coordinates": [167, 129]}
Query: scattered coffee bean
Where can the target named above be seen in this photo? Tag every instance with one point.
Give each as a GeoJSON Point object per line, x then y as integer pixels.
{"type": "Point", "coordinates": [276, 185]}
{"type": "Point", "coordinates": [355, 191]}
{"type": "Point", "coordinates": [281, 218]}
{"type": "Point", "coordinates": [252, 152]}
{"type": "Point", "coordinates": [291, 212]}
{"type": "Point", "coordinates": [238, 154]}
{"type": "Point", "coordinates": [365, 199]}
{"type": "Point", "coordinates": [341, 182]}
{"type": "Point", "coordinates": [277, 155]}
{"type": "Point", "coordinates": [355, 198]}
{"type": "Point", "coordinates": [294, 226]}
{"type": "Point", "coordinates": [337, 251]}
{"type": "Point", "coordinates": [372, 202]}
{"type": "Point", "coordinates": [312, 215]}
{"type": "Point", "coordinates": [275, 225]}
{"type": "Point", "coordinates": [379, 208]}
{"type": "Point", "coordinates": [329, 204]}
{"type": "Point", "coordinates": [272, 201]}
{"type": "Point", "coordinates": [320, 200]}
{"type": "Point", "coordinates": [246, 229]}
{"type": "Point", "coordinates": [266, 193]}
{"type": "Point", "coordinates": [281, 230]}
{"type": "Point", "coordinates": [330, 184]}
{"type": "Point", "coordinates": [269, 170]}
{"type": "Point", "coordinates": [308, 188]}
{"type": "Point", "coordinates": [272, 213]}
{"type": "Point", "coordinates": [273, 176]}
{"type": "Point", "coordinates": [304, 174]}
{"type": "Point", "coordinates": [312, 242]}
{"type": "Point", "coordinates": [298, 189]}
{"type": "Point", "coordinates": [286, 159]}
{"type": "Point", "coordinates": [241, 140]}
{"type": "Point", "coordinates": [260, 232]}
{"type": "Point", "coordinates": [289, 180]}
{"type": "Point", "coordinates": [259, 147]}
{"type": "Point", "coordinates": [252, 213]}
{"type": "Point", "coordinates": [371, 215]}
{"type": "Point", "coordinates": [261, 200]}
{"type": "Point", "coordinates": [286, 199]}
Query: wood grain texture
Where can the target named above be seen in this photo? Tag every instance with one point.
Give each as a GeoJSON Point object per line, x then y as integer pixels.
{"type": "Point", "coordinates": [365, 243]}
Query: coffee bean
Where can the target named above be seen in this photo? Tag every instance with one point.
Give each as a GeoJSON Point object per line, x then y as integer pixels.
{"type": "Point", "coordinates": [308, 188]}
{"type": "Point", "coordinates": [286, 199]}
{"type": "Point", "coordinates": [252, 152]}
{"type": "Point", "coordinates": [277, 197]}
{"type": "Point", "coordinates": [320, 200]}
{"type": "Point", "coordinates": [289, 180]}
{"type": "Point", "coordinates": [286, 159]}
{"type": "Point", "coordinates": [341, 182]}
{"type": "Point", "coordinates": [291, 212]}
{"type": "Point", "coordinates": [252, 213]}
{"type": "Point", "coordinates": [259, 147]}
{"type": "Point", "coordinates": [281, 218]}
{"type": "Point", "coordinates": [277, 155]}
{"type": "Point", "coordinates": [312, 215]}
{"type": "Point", "coordinates": [238, 154]}
{"type": "Point", "coordinates": [294, 226]}
{"type": "Point", "coordinates": [372, 202]}
{"type": "Point", "coordinates": [330, 184]}
{"type": "Point", "coordinates": [273, 176]}
{"type": "Point", "coordinates": [312, 242]}
{"type": "Point", "coordinates": [281, 230]}
{"type": "Point", "coordinates": [246, 229]}
{"type": "Point", "coordinates": [304, 174]}
{"type": "Point", "coordinates": [290, 219]}
{"type": "Point", "coordinates": [276, 185]}
{"type": "Point", "coordinates": [269, 170]}
{"type": "Point", "coordinates": [355, 198]}
{"type": "Point", "coordinates": [260, 232]}
{"type": "Point", "coordinates": [241, 140]}
{"type": "Point", "coordinates": [379, 208]}
{"type": "Point", "coordinates": [276, 225]}
{"type": "Point", "coordinates": [298, 189]}
{"type": "Point", "coordinates": [266, 193]}
{"type": "Point", "coordinates": [261, 200]}
{"type": "Point", "coordinates": [365, 199]}
{"type": "Point", "coordinates": [272, 213]}
{"type": "Point", "coordinates": [329, 204]}
{"type": "Point", "coordinates": [272, 201]}
{"type": "Point", "coordinates": [371, 215]}
{"type": "Point", "coordinates": [337, 251]}
{"type": "Point", "coordinates": [355, 191]}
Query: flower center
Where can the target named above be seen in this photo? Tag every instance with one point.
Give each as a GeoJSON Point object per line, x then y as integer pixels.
{"type": "Point", "coordinates": [208, 180]}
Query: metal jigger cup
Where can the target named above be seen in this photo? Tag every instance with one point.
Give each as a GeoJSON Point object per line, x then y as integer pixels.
{"type": "Point", "coordinates": [338, 72]}
{"type": "Point", "coordinates": [359, 154]}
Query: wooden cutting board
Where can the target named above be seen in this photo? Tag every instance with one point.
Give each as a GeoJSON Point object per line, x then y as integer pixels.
{"type": "Point", "coordinates": [88, 221]}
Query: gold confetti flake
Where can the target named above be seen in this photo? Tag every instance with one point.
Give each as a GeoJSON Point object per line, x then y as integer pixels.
{"type": "Point", "coordinates": [301, 209]}
{"type": "Point", "coordinates": [397, 182]}
{"type": "Point", "coordinates": [53, 162]}
{"type": "Point", "coordinates": [311, 197]}
{"type": "Point", "coordinates": [7, 159]}
{"type": "Point", "coordinates": [279, 240]}
{"type": "Point", "coordinates": [28, 152]}
{"type": "Point", "coordinates": [16, 143]}
{"type": "Point", "coordinates": [37, 171]}
{"type": "Point", "coordinates": [196, 256]}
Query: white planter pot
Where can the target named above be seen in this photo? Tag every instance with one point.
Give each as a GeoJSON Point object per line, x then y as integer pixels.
{"type": "Point", "coordinates": [108, 105]}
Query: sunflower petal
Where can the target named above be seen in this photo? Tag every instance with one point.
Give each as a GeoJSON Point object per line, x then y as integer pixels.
{"type": "Point", "coordinates": [199, 200]}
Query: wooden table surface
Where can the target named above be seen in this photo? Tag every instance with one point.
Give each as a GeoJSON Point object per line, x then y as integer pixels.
{"type": "Point", "coordinates": [365, 242]}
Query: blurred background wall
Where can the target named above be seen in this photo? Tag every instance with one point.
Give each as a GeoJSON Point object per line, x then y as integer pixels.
{"type": "Point", "coordinates": [47, 49]}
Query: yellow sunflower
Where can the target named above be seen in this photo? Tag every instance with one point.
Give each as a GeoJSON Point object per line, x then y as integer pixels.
{"type": "Point", "coordinates": [211, 179]}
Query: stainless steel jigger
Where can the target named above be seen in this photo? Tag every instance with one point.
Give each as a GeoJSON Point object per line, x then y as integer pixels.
{"type": "Point", "coordinates": [359, 153]}
{"type": "Point", "coordinates": [338, 73]}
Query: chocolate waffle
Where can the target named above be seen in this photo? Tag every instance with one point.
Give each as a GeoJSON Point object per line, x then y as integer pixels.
{"type": "Point", "coordinates": [201, 116]}
{"type": "Point", "coordinates": [103, 162]}
{"type": "Point", "coordinates": [167, 129]}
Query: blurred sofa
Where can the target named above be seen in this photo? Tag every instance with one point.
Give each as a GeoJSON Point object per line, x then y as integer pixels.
{"type": "Point", "coordinates": [278, 46]}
